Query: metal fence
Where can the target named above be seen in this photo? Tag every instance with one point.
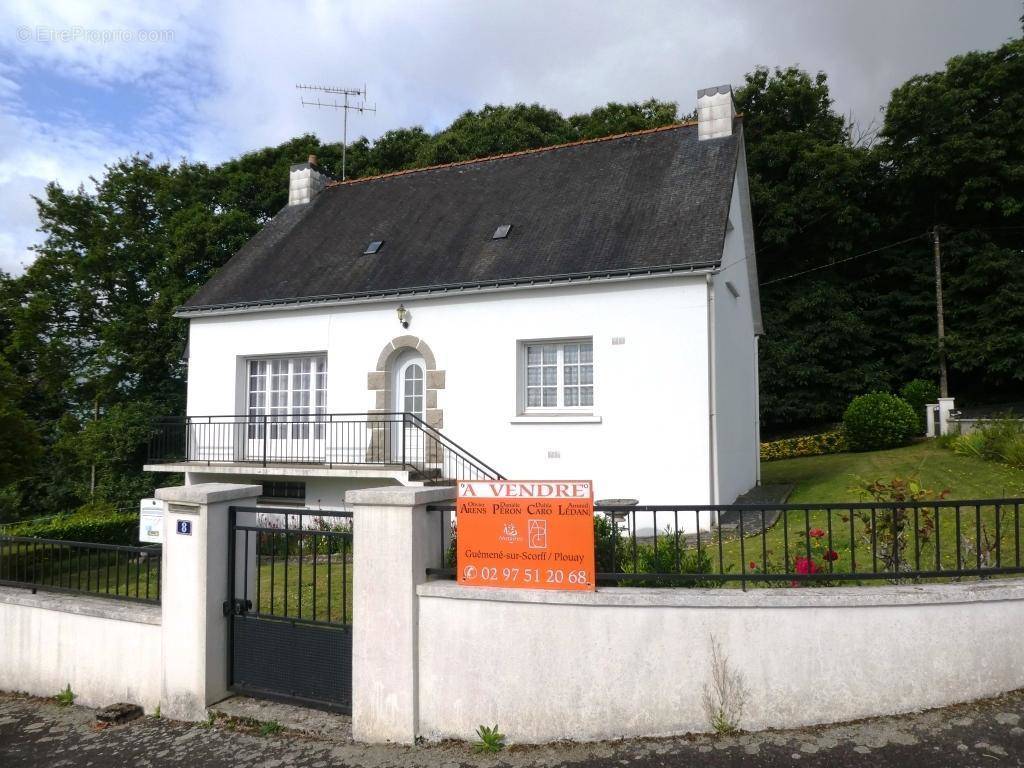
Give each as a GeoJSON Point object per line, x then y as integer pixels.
{"type": "Point", "coordinates": [799, 544]}
{"type": "Point", "coordinates": [331, 439]}
{"type": "Point", "coordinates": [292, 564]}
{"type": "Point", "coordinates": [106, 570]}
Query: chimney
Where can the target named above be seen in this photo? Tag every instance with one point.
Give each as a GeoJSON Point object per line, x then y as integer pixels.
{"type": "Point", "coordinates": [305, 181]}
{"type": "Point", "coordinates": [715, 112]}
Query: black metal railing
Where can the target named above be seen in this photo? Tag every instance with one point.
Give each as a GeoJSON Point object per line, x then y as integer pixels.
{"type": "Point", "coordinates": [798, 544]}
{"type": "Point", "coordinates": [294, 565]}
{"type": "Point", "coordinates": [332, 439]}
{"type": "Point", "coordinates": [107, 570]}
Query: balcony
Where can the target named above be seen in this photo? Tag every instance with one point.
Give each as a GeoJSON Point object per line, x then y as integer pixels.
{"type": "Point", "coordinates": [399, 445]}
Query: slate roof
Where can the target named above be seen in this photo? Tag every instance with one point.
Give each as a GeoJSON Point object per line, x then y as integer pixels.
{"type": "Point", "coordinates": [647, 201]}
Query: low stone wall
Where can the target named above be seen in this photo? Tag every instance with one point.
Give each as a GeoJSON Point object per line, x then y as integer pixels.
{"type": "Point", "coordinates": [106, 650]}
{"type": "Point", "coordinates": [634, 662]}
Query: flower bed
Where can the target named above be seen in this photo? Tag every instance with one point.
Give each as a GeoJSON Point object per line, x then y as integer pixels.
{"type": "Point", "coordinates": [805, 445]}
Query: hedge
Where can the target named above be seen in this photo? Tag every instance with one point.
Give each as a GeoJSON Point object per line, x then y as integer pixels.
{"type": "Point", "coordinates": [805, 445]}
{"type": "Point", "coordinates": [96, 529]}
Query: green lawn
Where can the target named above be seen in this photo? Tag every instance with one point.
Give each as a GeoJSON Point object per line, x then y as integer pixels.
{"type": "Point", "coordinates": [835, 478]}
{"type": "Point", "coordinates": [318, 591]}
{"type": "Point", "coordinates": [823, 480]}
{"type": "Point", "coordinates": [101, 572]}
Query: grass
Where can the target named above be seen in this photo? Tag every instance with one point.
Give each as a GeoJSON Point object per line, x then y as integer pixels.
{"type": "Point", "coordinates": [838, 478]}
{"type": "Point", "coordinates": [304, 588]}
{"type": "Point", "coordinates": [96, 571]}
{"type": "Point", "coordinates": [318, 589]}
{"type": "Point", "coordinates": [834, 477]}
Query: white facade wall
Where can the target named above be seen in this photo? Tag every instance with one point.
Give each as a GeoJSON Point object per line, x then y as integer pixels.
{"type": "Point", "coordinates": [648, 438]}
{"type": "Point", "coordinates": [326, 493]}
{"type": "Point", "coordinates": [106, 650]}
{"type": "Point", "coordinates": [735, 377]}
{"type": "Point", "coordinates": [621, 663]}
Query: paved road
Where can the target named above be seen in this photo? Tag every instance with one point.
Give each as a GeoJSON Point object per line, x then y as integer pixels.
{"type": "Point", "coordinates": [990, 733]}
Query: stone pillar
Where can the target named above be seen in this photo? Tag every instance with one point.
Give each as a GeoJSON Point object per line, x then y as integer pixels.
{"type": "Point", "coordinates": [194, 587]}
{"type": "Point", "coordinates": [946, 406]}
{"type": "Point", "coordinates": [395, 539]}
{"type": "Point", "coordinates": [931, 424]}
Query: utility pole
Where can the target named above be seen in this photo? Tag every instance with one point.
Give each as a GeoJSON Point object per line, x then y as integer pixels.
{"type": "Point", "coordinates": [92, 476]}
{"type": "Point", "coordinates": [937, 249]}
{"type": "Point", "coordinates": [344, 106]}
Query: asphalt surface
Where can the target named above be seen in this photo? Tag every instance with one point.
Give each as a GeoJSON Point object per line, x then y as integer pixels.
{"type": "Point", "coordinates": [35, 732]}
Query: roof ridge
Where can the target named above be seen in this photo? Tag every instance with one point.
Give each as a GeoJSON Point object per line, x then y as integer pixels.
{"type": "Point", "coordinates": [518, 153]}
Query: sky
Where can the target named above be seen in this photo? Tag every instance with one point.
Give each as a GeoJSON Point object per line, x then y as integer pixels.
{"type": "Point", "coordinates": [85, 83]}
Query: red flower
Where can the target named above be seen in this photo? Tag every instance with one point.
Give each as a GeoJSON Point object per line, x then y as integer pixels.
{"type": "Point", "coordinates": [806, 565]}
{"type": "Point", "coordinates": [752, 565]}
{"type": "Point", "coordinates": [831, 555]}
{"type": "Point", "coordinates": [816, 533]}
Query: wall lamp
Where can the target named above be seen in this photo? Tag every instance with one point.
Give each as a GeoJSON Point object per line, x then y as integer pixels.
{"type": "Point", "coordinates": [403, 315]}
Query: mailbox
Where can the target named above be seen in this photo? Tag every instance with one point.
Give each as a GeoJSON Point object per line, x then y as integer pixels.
{"type": "Point", "coordinates": [151, 521]}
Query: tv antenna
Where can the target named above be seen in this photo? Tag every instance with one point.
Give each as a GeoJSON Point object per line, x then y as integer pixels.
{"type": "Point", "coordinates": [343, 105]}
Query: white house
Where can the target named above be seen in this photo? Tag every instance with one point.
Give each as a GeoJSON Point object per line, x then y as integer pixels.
{"type": "Point", "coordinates": [581, 311]}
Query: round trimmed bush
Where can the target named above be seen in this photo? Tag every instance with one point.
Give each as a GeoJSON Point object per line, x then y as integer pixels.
{"type": "Point", "coordinates": [877, 421]}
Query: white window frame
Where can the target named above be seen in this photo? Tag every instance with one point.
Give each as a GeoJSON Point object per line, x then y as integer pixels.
{"type": "Point", "coordinates": [302, 405]}
{"type": "Point", "coordinates": [559, 408]}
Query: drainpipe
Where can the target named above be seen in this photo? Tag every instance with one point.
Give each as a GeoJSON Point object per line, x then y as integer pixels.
{"type": "Point", "coordinates": [757, 406]}
{"type": "Point", "coordinates": [712, 407]}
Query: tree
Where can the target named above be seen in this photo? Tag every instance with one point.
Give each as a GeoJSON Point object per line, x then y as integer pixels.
{"type": "Point", "coordinates": [952, 148]}
{"type": "Point", "coordinates": [811, 194]}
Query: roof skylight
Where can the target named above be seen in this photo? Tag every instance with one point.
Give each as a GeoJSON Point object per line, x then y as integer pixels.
{"type": "Point", "coordinates": [501, 232]}
{"type": "Point", "coordinates": [373, 247]}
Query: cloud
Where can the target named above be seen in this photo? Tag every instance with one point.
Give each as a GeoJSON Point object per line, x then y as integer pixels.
{"type": "Point", "coordinates": [221, 81]}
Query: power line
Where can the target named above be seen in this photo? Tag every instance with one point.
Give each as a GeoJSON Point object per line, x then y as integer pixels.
{"type": "Point", "coordinates": [841, 261]}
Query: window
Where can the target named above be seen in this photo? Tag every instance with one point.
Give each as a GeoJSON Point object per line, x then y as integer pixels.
{"type": "Point", "coordinates": [283, 492]}
{"type": "Point", "coordinates": [412, 389]}
{"type": "Point", "coordinates": [373, 247]}
{"type": "Point", "coordinates": [559, 375]}
{"type": "Point", "coordinates": [287, 394]}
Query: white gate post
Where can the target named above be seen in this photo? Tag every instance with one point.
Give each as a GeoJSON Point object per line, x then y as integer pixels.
{"type": "Point", "coordinates": [194, 587]}
{"type": "Point", "coordinates": [395, 539]}
{"type": "Point", "coordinates": [946, 406]}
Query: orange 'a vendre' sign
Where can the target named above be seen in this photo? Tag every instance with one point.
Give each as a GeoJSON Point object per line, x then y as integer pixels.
{"type": "Point", "coordinates": [526, 534]}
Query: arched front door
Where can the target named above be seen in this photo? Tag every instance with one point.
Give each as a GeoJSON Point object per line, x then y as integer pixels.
{"type": "Point", "coordinates": [409, 388]}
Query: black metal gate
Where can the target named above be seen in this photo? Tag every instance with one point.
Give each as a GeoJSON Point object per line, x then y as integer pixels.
{"type": "Point", "coordinates": [290, 631]}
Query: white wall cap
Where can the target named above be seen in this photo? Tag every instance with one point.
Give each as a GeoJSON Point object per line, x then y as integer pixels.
{"type": "Point", "coordinates": [399, 496]}
{"type": "Point", "coordinates": [209, 493]}
{"type": "Point", "coordinates": [814, 597]}
{"type": "Point", "coordinates": [83, 605]}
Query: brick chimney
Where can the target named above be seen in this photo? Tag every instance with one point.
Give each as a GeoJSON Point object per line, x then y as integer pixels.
{"type": "Point", "coordinates": [715, 112]}
{"type": "Point", "coordinates": [305, 181]}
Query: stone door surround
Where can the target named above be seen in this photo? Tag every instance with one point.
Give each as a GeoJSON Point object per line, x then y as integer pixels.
{"type": "Point", "coordinates": [379, 381]}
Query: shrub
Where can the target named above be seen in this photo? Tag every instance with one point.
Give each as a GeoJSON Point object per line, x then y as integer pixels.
{"type": "Point", "coordinates": [971, 444]}
{"type": "Point", "coordinates": [996, 440]}
{"type": "Point", "coordinates": [877, 421]}
{"type": "Point", "coordinates": [610, 547]}
{"type": "Point", "coordinates": [918, 393]}
{"type": "Point", "coordinates": [805, 445]}
{"type": "Point", "coordinates": [120, 528]}
{"type": "Point", "coordinates": [670, 556]}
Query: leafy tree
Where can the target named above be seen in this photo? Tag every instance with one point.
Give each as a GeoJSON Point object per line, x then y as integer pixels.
{"type": "Point", "coordinates": [952, 149]}
{"type": "Point", "coordinates": [615, 118]}
{"type": "Point", "coordinates": [811, 193]}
